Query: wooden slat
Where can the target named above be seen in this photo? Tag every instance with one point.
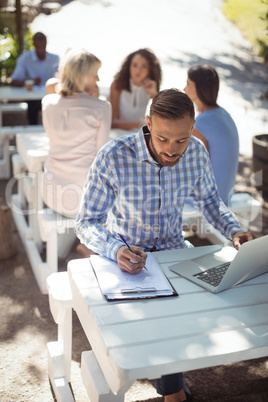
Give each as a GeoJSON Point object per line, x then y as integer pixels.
{"type": "Point", "coordinates": [179, 306]}
{"type": "Point", "coordinates": [167, 328]}
{"type": "Point", "coordinates": [192, 352]}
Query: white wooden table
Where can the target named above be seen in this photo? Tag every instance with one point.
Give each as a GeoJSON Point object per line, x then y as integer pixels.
{"type": "Point", "coordinates": [33, 148]}
{"type": "Point", "coordinates": [146, 339]}
{"type": "Point", "coordinates": [8, 94]}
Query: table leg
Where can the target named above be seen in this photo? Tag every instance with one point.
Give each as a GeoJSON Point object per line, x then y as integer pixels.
{"type": "Point", "coordinates": [94, 381]}
{"type": "Point", "coordinates": [34, 206]}
{"type": "Point", "coordinates": [60, 352]}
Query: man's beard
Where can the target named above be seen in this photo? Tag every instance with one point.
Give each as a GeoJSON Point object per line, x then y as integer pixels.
{"type": "Point", "coordinates": [161, 159]}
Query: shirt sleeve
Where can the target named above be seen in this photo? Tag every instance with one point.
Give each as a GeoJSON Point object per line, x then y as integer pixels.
{"type": "Point", "coordinates": [98, 199]}
{"type": "Point", "coordinates": [20, 72]}
{"type": "Point", "coordinates": [215, 211]}
{"type": "Point", "coordinates": [105, 125]}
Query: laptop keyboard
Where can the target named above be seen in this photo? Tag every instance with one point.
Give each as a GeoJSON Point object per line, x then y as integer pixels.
{"type": "Point", "coordinates": [213, 276]}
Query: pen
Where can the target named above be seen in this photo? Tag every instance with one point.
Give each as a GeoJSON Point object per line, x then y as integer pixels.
{"type": "Point", "coordinates": [124, 241]}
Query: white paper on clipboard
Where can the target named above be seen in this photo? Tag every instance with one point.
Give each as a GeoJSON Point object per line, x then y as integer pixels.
{"type": "Point", "coordinates": [118, 285]}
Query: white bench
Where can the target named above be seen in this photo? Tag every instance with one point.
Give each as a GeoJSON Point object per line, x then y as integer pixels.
{"type": "Point", "coordinates": [55, 230]}
{"type": "Point", "coordinates": [60, 351]}
{"type": "Point", "coordinates": [7, 133]}
{"type": "Point", "coordinates": [58, 233]}
{"type": "Point", "coordinates": [245, 207]}
{"type": "Point", "coordinates": [14, 112]}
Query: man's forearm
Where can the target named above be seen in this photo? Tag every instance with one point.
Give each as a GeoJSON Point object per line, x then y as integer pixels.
{"type": "Point", "coordinates": [224, 220]}
{"type": "Point", "coordinates": [17, 83]}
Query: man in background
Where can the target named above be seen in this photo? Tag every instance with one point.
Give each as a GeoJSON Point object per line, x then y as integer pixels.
{"type": "Point", "coordinates": [37, 65]}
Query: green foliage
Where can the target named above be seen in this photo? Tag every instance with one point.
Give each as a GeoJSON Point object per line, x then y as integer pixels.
{"type": "Point", "coordinates": [9, 53]}
{"type": "Point", "coordinates": [251, 17]}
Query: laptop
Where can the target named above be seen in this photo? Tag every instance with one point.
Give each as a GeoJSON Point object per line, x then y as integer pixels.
{"type": "Point", "coordinates": [226, 266]}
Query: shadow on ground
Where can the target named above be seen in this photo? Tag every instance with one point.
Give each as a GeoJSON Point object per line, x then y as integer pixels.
{"type": "Point", "coordinates": [27, 325]}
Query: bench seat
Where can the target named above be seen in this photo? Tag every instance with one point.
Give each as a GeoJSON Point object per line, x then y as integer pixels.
{"type": "Point", "coordinates": [8, 133]}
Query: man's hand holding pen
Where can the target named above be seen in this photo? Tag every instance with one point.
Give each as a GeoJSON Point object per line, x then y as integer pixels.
{"type": "Point", "coordinates": [131, 261]}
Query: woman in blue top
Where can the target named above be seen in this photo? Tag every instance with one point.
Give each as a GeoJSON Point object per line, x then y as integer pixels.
{"type": "Point", "coordinates": [214, 126]}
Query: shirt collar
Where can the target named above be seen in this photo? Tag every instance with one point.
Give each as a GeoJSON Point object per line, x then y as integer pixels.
{"type": "Point", "coordinates": [142, 151]}
{"type": "Point", "coordinates": [35, 58]}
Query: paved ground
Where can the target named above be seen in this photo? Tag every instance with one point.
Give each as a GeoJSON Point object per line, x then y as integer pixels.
{"type": "Point", "coordinates": [181, 33]}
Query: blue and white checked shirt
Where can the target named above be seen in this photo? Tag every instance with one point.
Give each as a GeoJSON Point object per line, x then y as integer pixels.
{"type": "Point", "coordinates": [128, 192]}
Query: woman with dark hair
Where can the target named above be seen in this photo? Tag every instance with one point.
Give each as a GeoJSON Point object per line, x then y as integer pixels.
{"type": "Point", "coordinates": [137, 81]}
{"type": "Point", "coordinates": [214, 126]}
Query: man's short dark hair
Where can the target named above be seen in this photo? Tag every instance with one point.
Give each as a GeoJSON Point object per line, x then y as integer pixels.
{"type": "Point", "coordinates": [39, 36]}
{"type": "Point", "coordinates": [172, 104]}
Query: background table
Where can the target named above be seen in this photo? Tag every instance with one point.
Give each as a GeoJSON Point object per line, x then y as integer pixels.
{"type": "Point", "coordinates": [146, 339]}
{"type": "Point", "coordinates": [8, 94]}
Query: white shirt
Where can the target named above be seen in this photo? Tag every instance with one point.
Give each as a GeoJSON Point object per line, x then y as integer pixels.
{"type": "Point", "coordinates": [132, 105]}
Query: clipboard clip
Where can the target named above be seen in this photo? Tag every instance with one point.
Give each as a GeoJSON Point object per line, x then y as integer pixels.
{"type": "Point", "coordinates": [138, 290]}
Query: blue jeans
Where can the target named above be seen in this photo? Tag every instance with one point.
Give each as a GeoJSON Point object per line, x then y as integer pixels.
{"type": "Point", "coordinates": [169, 384]}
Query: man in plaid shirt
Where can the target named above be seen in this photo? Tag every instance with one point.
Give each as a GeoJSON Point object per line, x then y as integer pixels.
{"type": "Point", "coordinates": [137, 186]}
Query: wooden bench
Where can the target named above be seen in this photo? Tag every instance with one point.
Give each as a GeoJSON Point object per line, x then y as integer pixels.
{"type": "Point", "coordinates": [58, 233]}
{"type": "Point", "coordinates": [60, 351]}
{"type": "Point", "coordinates": [55, 230]}
{"type": "Point", "coordinates": [7, 133]}
{"type": "Point", "coordinates": [58, 238]}
{"type": "Point", "coordinates": [14, 112]}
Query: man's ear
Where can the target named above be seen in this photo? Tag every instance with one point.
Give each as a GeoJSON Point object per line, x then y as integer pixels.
{"type": "Point", "coordinates": [148, 121]}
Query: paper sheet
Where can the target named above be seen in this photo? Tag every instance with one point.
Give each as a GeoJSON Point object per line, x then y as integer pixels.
{"type": "Point", "coordinates": [115, 283]}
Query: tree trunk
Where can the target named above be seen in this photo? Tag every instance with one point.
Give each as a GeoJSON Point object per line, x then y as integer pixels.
{"type": "Point", "coordinates": [19, 26]}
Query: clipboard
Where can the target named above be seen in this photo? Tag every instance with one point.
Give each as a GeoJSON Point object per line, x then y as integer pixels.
{"type": "Point", "coordinates": [117, 285]}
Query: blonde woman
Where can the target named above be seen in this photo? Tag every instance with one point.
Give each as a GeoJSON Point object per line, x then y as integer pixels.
{"type": "Point", "coordinates": [77, 124]}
